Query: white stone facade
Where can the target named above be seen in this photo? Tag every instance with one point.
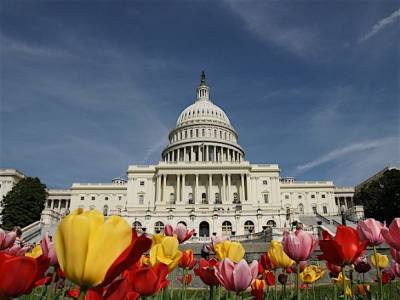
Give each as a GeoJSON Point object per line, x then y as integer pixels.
{"type": "Point", "coordinates": [204, 181]}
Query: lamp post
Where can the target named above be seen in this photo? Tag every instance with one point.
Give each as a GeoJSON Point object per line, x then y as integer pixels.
{"type": "Point", "coordinates": [342, 212]}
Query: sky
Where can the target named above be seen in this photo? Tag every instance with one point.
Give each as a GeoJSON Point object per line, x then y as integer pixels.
{"type": "Point", "coordinates": [90, 87]}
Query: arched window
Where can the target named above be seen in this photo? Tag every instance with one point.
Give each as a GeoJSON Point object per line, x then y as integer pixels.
{"type": "Point", "coordinates": [159, 227]}
{"type": "Point", "coordinates": [204, 198]}
{"type": "Point", "coordinates": [182, 222]}
{"type": "Point", "coordinates": [138, 226]}
{"type": "Point", "coordinates": [271, 223]}
{"type": "Point", "coordinates": [105, 210]}
{"type": "Point", "coordinates": [236, 198]}
{"type": "Point", "coordinates": [190, 198]}
{"type": "Point", "coordinates": [226, 228]}
{"type": "Point", "coordinates": [301, 208]}
{"type": "Point", "coordinates": [204, 229]}
{"type": "Point", "coordinates": [248, 227]}
{"type": "Point", "coordinates": [217, 199]}
{"type": "Point", "coordinates": [172, 198]}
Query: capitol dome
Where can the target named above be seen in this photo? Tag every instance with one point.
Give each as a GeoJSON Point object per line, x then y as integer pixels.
{"type": "Point", "coordinates": [203, 132]}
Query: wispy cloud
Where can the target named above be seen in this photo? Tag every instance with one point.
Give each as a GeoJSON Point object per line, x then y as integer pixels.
{"type": "Point", "coordinates": [380, 25]}
{"type": "Point", "coordinates": [339, 152]}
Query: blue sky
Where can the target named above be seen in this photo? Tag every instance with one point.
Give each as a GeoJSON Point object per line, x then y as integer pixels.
{"type": "Point", "coordinates": [311, 85]}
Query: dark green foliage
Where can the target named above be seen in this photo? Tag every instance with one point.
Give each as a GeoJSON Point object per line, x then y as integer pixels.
{"type": "Point", "coordinates": [24, 203]}
{"type": "Point", "coordinates": [381, 197]}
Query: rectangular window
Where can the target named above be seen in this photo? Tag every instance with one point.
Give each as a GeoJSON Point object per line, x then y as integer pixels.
{"type": "Point", "coordinates": [325, 210]}
{"type": "Point", "coordinates": [299, 196]}
{"type": "Point", "coordinates": [286, 196]}
{"type": "Point", "coordinates": [63, 204]}
{"type": "Point", "coordinates": [119, 197]}
{"type": "Point", "coordinates": [322, 196]}
{"type": "Point", "coordinates": [106, 198]}
{"type": "Point", "coordinates": [265, 198]}
{"type": "Point", "coordinates": [82, 198]}
{"type": "Point", "coordinates": [141, 199]}
{"type": "Point", "coordinates": [314, 209]}
{"type": "Point", "coordinates": [93, 198]}
{"type": "Point", "coordinates": [48, 203]}
{"type": "Point", "coordinates": [142, 183]}
{"type": "Point", "coordinates": [312, 196]}
{"type": "Point", "coordinates": [265, 182]}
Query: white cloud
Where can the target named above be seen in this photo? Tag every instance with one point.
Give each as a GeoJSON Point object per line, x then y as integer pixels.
{"type": "Point", "coordinates": [381, 25]}
{"type": "Point", "coordinates": [346, 150]}
{"type": "Point", "coordinates": [271, 26]}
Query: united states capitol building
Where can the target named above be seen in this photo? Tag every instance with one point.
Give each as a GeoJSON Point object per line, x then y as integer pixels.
{"type": "Point", "coordinates": [205, 182]}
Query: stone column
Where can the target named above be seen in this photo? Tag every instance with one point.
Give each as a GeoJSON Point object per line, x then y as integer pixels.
{"type": "Point", "coordinates": [196, 190]}
{"type": "Point", "coordinates": [183, 186]}
{"type": "Point", "coordinates": [223, 190]}
{"type": "Point", "coordinates": [173, 155]}
{"type": "Point", "coordinates": [164, 195]}
{"type": "Point", "coordinates": [242, 188]}
{"type": "Point", "coordinates": [178, 188]}
{"type": "Point", "coordinates": [201, 153]}
{"type": "Point", "coordinates": [158, 189]}
{"type": "Point", "coordinates": [209, 188]}
{"type": "Point", "coordinates": [178, 154]}
{"type": "Point", "coordinates": [248, 187]}
{"type": "Point", "coordinates": [191, 153]}
{"type": "Point", "coordinates": [184, 154]}
{"type": "Point", "coordinates": [229, 196]}
{"type": "Point", "coordinates": [215, 153]}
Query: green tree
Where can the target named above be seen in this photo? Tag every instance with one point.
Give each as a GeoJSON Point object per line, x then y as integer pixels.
{"type": "Point", "coordinates": [381, 197]}
{"type": "Point", "coordinates": [23, 205]}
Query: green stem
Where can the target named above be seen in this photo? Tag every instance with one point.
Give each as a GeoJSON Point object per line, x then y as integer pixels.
{"type": "Point", "coordinates": [212, 292]}
{"type": "Point", "coordinates": [344, 283]}
{"type": "Point", "coordinates": [298, 282]}
{"type": "Point", "coordinates": [276, 281]}
{"type": "Point", "coordinates": [313, 291]}
{"type": "Point", "coordinates": [334, 292]}
{"type": "Point", "coordinates": [82, 294]}
{"type": "Point", "coordinates": [378, 274]}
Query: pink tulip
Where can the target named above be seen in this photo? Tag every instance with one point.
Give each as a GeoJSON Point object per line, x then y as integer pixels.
{"type": "Point", "coordinates": [181, 232]}
{"type": "Point", "coordinates": [236, 277]}
{"type": "Point", "coordinates": [370, 230]}
{"type": "Point", "coordinates": [395, 254]}
{"type": "Point", "coordinates": [392, 234]}
{"type": "Point", "coordinates": [17, 250]}
{"type": "Point", "coordinates": [395, 268]}
{"type": "Point", "coordinates": [299, 245]}
{"type": "Point", "coordinates": [49, 250]}
{"type": "Point", "coordinates": [6, 240]}
{"type": "Point", "coordinates": [216, 240]}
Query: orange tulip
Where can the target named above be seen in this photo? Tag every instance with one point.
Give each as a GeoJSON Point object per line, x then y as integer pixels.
{"type": "Point", "coordinates": [187, 260]}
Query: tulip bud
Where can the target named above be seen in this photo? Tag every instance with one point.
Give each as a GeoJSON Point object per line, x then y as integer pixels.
{"type": "Point", "coordinates": [282, 278]}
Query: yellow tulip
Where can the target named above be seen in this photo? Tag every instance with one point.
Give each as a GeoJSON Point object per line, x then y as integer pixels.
{"type": "Point", "coordinates": [157, 239]}
{"type": "Point", "coordinates": [339, 280]}
{"type": "Point", "coordinates": [311, 274]}
{"type": "Point", "coordinates": [36, 252]}
{"type": "Point", "coordinates": [278, 257]}
{"type": "Point", "coordinates": [145, 260]}
{"type": "Point", "coordinates": [86, 246]}
{"type": "Point", "coordinates": [166, 252]}
{"type": "Point", "coordinates": [232, 250]}
{"type": "Point", "coordinates": [383, 260]}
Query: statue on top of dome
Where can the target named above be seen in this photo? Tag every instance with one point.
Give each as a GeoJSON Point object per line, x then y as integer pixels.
{"type": "Point", "coordinates": [202, 78]}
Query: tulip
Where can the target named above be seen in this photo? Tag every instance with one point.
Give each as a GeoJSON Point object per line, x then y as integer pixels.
{"type": "Point", "coordinates": [166, 252]}
{"type": "Point", "coordinates": [277, 257]}
{"type": "Point", "coordinates": [257, 289]}
{"type": "Point", "coordinates": [392, 234]}
{"type": "Point", "coordinates": [156, 239]}
{"type": "Point", "coordinates": [269, 278]}
{"type": "Point", "coordinates": [236, 277]}
{"type": "Point", "coordinates": [344, 248]}
{"type": "Point", "coordinates": [216, 240]}
{"type": "Point", "coordinates": [187, 260]}
{"type": "Point", "coordinates": [361, 265]}
{"type": "Point", "coordinates": [7, 239]}
{"type": "Point", "coordinates": [181, 232]}
{"type": "Point", "coordinates": [35, 253]}
{"type": "Point", "coordinates": [48, 249]}
{"type": "Point", "coordinates": [379, 260]}
{"type": "Point", "coordinates": [363, 289]}
{"type": "Point", "coordinates": [300, 245]}
{"type": "Point", "coordinates": [282, 278]}
{"type": "Point", "coordinates": [301, 266]}
{"type": "Point", "coordinates": [264, 263]}
{"type": "Point", "coordinates": [17, 250]}
{"type": "Point", "coordinates": [395, 254]}
{"type": "Point", "coordinates": [232, 250]}
{"type": "Point", "coordinates": [206, 271]}
{"type": "Point", "coordinates": [346, 284]}
{"type": "Point", "coordinates": [186, 279]}
{"type": "Point", "coordinates": [147, 280]}
{"type": "Point", "coordinates": [93, 252]}
{"type": "Point", "coordinates": [387, 277]}
{"type": "Point", "coordinates": [20, 274]}
{"type": "Point", "coordinates": [334, 270]}
{"type": "Point", "coordinates": [311, 274]}
{"type": "Point", "coordinates": [370, 230]}
{"type": "Point", "coordinates": [395, 268]}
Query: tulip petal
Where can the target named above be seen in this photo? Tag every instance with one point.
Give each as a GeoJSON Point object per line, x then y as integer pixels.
{"type": "Point", "coordinates": [332, 252]}
{"type": "Point", "coordinates": [242, 276]}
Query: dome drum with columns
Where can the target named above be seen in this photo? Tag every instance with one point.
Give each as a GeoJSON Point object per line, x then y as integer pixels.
{"type": "Point", "coordinates": [203, 133]}
{"type": "Point", "coordinates": [205, 182]}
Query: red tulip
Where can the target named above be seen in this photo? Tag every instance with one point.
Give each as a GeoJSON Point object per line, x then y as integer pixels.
{"type": "Point", "coordinates": [20, 274]}
{"type": "Point", "coordinates": [181, 232]}
{"type": "Point", "coordinates": [370, 230]}
{"type": "Point", "coordinates": [395, 268]}
{"type": "Point", "coordinates": [206, 271]}
{"type": "Point", "coordinates": [361, 265]}
{"type": "Point", "coordinates": [6, 240]}
{"type": "Point", "coordinates": [387, 276]}
{"type": "Point", "coordinates": [186, 279]}
{"type": "Point", "coordinates": [236, 277]}
{"type": "Point", "coordinates": [344, 248]}
{"type": "Point", "coordinates": [282, 278]}
{"type": "Point", "coordinates": [265, 262]}
{"type": "Point", "coordinates": [300, 245]}
{"type": "Point", "coordinates": [270, 278]}
{"type": "Point", "coordinates": [392, 234]}
{"type": "Point", "coordinates": [334, 270]}
{"type": "Point", "coordinates": [257, 289]}
{"type": "Point", "coordinates": [395, 254]}
{"type": "Point", "coordinates": [148, 280]}
{"type": "Point", "coordinates": [187, 260]}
